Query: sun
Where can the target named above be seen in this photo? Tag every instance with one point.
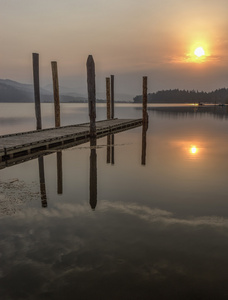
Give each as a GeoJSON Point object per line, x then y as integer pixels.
{"type": "Point", "coordinates": [193, 150]}
{"type": "Point", "coordinates": [199, 52]}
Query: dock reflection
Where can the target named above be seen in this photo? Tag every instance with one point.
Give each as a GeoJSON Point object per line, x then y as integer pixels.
{"type": "Point", "coordinates": [59, 164]}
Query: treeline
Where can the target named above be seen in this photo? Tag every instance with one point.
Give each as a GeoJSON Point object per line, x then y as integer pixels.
{"type": "Point", "coordinates": [183, 96]}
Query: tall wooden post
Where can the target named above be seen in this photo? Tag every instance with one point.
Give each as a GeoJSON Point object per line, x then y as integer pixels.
{"type": "Point", "coordinates": [91, 94]}
{"type": "Point", "coordinates": [145, 121]}
{"type": "Point", "coordinates": [112, 96]}
{"type": "Point", "coordinates": [108, 97]}
{"type": "Point", "coordinates": [36, 81]}
{"type": "Point", "coordinates": [145, 118]}
{"type": "Point", "coordinates": [56, 92]}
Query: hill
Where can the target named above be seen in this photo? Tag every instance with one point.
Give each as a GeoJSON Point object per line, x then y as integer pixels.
{"type": "Point", "coordinates": [12, 91]}
{"type": "Point", "coordinates": [183, 96]}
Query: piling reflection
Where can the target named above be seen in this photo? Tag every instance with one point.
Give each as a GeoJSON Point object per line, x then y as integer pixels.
{"type": "Point", "coordinates": [42, 182]}
{"type": "Point", "coordinates": [59, 173]}
{"type": "Point", "coordinates": [143, 156]}
{"type": "Point", "coordinates": [110, 149]}
{"type": "Point", "coordinates": [93, 173]}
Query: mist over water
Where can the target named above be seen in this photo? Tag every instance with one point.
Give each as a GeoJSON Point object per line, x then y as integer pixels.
{"type": "Point", "coordinates": [80, 225]}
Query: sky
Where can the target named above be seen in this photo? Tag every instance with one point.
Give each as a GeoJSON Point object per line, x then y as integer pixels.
{"type": "Point", "coordinates": [127, 38]}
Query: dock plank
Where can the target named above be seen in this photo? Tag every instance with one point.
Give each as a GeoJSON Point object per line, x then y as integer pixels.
{"type": "Point", "coordinates": [19, 144]}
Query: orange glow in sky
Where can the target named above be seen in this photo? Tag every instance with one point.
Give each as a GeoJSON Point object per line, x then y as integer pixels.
{"type": "Point", "coordinates": [154, 43]}
{"type": "Point", "coordinates": [198, 52]}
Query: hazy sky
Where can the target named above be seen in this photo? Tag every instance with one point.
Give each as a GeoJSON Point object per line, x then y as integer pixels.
{"type": "Point", "coordinates": [127, 38]}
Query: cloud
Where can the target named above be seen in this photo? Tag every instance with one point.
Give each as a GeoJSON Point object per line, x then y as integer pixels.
{"type": "Point", "coordinates": [142, 212]}
{"type": "Point", "coordinates": [162, 216]}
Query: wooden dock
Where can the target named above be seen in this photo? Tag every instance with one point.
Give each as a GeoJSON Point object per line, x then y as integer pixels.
{"type": "Point", "coordinates": [14, 147]}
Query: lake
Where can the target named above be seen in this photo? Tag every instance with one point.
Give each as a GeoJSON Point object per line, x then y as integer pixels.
{"type": "Point", "coordinates": [80, 224]}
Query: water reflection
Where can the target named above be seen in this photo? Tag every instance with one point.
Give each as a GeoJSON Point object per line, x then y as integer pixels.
{"type": "Point", "coordinates": [157, 226]}
{"type": "Point", "coordinates": [216, 111]}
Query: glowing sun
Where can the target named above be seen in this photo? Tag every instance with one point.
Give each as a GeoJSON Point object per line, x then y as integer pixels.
{"type": "Point", "coordinates": [199, 52]}
{"type": "Point", "coordinates": [193, 150]}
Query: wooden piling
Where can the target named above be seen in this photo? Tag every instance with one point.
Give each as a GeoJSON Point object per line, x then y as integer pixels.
{"type": "Point", "coordinates": [91, 94]}
{"type": "Point", "coordinates": [36, 82]}
{"type": "Point", "coordinates": [108, 98]}
{"type": "Point", "coordinates": [145, 117]}
{"type": "Point", "coordinates": [56, 92]}
{"type": "Point", "coordinates": [112, 96]}
{"type": "Point", "coordinates": [145, 121]}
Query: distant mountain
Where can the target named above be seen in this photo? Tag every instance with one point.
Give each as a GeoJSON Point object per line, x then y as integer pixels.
{"type": "Point", "coordinates": [119, 97]}
{"type": "Point", "coordinates": [66, 91]}
{"type": "Point", "coordinates": [13, 91]}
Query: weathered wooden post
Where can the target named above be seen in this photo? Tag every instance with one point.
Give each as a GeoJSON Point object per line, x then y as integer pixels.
{"type": "Point", "coordinates": [93, 174]}
{"type": "Point", "coordinates": [42, 182]}
{"type": "Point", "coordinates": [56, 92]}
{"type": "Point", "coordinates": [36, 81]}
{"type": "Point", "coordinates": [108, 97]}
{"type": "Point", "coordinates": [145, 121]}
{"type": "Point", "coordinates": [91, 94]}
{"type": "Point", "coordinates": [57, 124]}
{"type": "Point", "coordinates": [145, 117]}
{"type": "Point", "coordinates": [112, 96]}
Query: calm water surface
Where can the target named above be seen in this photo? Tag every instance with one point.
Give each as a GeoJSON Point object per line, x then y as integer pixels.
{"type": "Point", "coordinates": [119, 230]}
